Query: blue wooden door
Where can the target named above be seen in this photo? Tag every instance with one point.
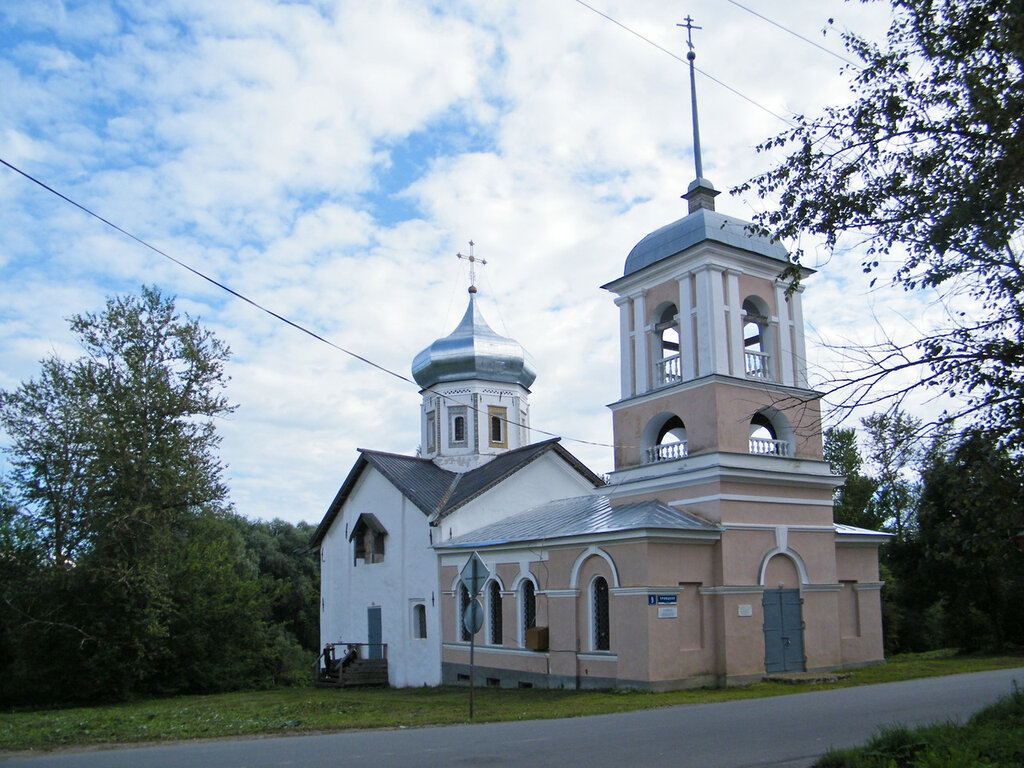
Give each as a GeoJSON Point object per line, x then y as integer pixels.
{"type": "Point", "coordinates": [374, 634]}
{"type": "Point", "coordinates": [783, 631]}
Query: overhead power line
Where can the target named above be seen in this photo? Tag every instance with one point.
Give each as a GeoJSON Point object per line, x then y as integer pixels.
{"type": "Point", "coordinates": [794, 34]}
{"type": "Point", "coordinates": [261, 308]}
{"type": "Point", "coordinates": [680, 59]}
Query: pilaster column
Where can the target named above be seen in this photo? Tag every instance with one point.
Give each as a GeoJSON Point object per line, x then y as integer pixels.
{"type": "Point", "coordinates": [785, 335]}
{"type": "Point", "coordinates": [737, 364]}
{"type": "Point", "coordinates": [687, 352]}
{"type": "Point", "coordinates": [799, 348]}
{"type": "Point", "coordinates": [642, 366]}
{"type": "Point", "coordinates": [712, 354]}
{"type": "Point", "coordinates": [625, 348]}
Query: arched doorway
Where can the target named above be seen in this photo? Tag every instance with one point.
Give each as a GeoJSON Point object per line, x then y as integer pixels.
{"type": "Point", "coordinates": [783, 618]}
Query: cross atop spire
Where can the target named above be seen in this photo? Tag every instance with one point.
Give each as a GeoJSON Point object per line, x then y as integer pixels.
{"type": "Point", "coordinates": [701, 193]}
{"type": "Point", "coordinates": [472, 266]}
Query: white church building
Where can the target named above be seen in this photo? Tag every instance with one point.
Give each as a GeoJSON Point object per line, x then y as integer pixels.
{"type": "Point", "coordinates": [709, 556]}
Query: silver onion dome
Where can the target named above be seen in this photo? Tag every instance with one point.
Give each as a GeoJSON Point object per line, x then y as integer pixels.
{"type": "Point", "coordinates": [474, 351]}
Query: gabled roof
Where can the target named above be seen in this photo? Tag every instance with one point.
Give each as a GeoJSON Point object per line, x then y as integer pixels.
{"type": "Point", "coordinates": [581, 516]}
{"type": "Point", "coordinates": [438, 492]}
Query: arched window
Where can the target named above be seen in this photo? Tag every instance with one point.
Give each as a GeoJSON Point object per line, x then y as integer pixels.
{"type": "Point", "coordinates": [528, 606]}
{"type": "Point", "coordinates": [463, 605]}
{"type": "Point", "coordinates": [457, 426]}
{"type": "Point", "coordinates": [419, 621]}
{"type": "Point", "coordinates": [667, 369]}
{"type": "Point", "coordinates": [768, 436]}
{"type": "Point", "coordinates": [664, 439]}
{"type": "Point", "coordinates": [757, 339]}
{"type": "Point", "coordinates": [494, 609]}
{"type": "Point", "coordinates": [599, 614]}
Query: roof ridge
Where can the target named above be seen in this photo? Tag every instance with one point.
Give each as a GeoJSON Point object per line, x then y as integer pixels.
{"type": "Point", "coordinates": [373, 452]}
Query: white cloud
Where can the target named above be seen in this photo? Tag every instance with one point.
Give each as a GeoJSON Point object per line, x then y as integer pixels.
{"type": "Point", "coordinates": [329, 158]}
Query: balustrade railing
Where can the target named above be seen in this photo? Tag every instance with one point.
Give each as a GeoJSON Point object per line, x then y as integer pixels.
{"type": "Point", "coordinates": [758, 364]}
{"type": "Point", "coordinates": [665, 452]}
{"type": "Point", "coordinates": [667, 371]}
{"type": "Point", "coordinates": [762, 446]}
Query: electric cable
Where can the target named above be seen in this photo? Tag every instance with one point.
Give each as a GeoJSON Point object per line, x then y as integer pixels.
{"type": "Point", "coordinates": [680, 59]}
{"type": "Point", "coordinates": [275, 315]}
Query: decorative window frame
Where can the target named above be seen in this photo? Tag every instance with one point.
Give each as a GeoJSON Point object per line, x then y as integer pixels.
{"type": "Point", "coordinates": [493, 589]}
{"type": "Point", "coordinates": [499, 413]}
{"type": "Point", "coordinates": [455, 413]}
{"type": "Point", "coordinates": [521, 605]}
{"type": "Point", "coordinates": [430, 422]}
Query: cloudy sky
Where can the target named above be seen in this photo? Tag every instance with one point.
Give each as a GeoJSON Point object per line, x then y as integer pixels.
{"type": "Point", "coordinates": [329, 158]}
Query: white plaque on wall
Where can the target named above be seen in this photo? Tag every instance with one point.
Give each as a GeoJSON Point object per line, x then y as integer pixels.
{"type": "Point", "coordinates": [746, 610]}
{"type": "Point", "coordinates": [668, 612]}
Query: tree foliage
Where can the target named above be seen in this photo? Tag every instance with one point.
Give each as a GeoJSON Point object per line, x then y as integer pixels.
{"type": "Point", "coordinates": [926, 165]}
{"type": "Point", "coordinates": [123, 569]}
{"type": "Point", "coordinates": [853, 502]}
{"type": "Point", "coordinates": [972, 511]}
{"type": "Point", "coordinates": [894, 453]}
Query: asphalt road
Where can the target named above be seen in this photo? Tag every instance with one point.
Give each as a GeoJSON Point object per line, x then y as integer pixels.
{"type": "Point", "coordinates": [783, 731]}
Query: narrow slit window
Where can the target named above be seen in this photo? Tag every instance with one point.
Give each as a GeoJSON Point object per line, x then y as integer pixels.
{"type": "Point", "coordinates": [419, 621]}
{"type": "Point", "coordinates": [602, 635]}
{"type": "Point", "coordinates": [494, 600]}
{"type": "Point", "coordinates": [529, 607]}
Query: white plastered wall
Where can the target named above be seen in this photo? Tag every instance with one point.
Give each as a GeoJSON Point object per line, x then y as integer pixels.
{"type": "Point", "coordinates": [407, 575]}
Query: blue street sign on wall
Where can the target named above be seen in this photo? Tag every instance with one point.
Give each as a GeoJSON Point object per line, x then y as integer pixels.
{"type": "Point", "coordinates": [663, 599]}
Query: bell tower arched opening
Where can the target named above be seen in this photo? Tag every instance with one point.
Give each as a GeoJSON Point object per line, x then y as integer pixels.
{"type": "Point", "coordinates": [664, 439]}
{"type": "Point", "coordinates": [757, 339]}
{"type": "Point", "coordinates": [771, 434]}
{"type": "Point", "coordinates": [667, 368]}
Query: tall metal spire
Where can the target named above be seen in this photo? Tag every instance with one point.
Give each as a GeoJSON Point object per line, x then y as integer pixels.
{"type": "Point", "coordinates": [690, 56]}
{"type": "Point", "coordinates": [701, 193]}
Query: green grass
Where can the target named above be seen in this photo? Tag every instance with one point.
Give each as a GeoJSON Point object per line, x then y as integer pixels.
{"type": "Point", "coordinates": [306, 709]}
{"type": "Point", "coordinates": [993, 738]}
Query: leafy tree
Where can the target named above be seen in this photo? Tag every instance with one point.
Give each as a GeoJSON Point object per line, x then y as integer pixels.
{"type": "Point", "coordinates": [281, 555]}
{"type": "Point", "coordinates": [972, 509]}
{"type": "Point", "coordinates": [926, 168]}
{"type": "Point", "coordinates": [122, 569]}
{"type": "Point", "coordinates": [894, 452]}
{"type": "Point", "coordinates": [49, 420]}
{"type": "Point", "coordinates": [853, 502]}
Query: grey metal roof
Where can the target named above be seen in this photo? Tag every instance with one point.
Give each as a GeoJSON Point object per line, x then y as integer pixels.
{"type": "Point", "coordinates": [581, 516]}
{"type": "Point", "coordinates": [695, 228]}
{"type": "Point", "coordinates": [852, 530]}
{"type": "Point", "coordinates": [423, 482]}
{"type": "Point", "coordinates": [435, 490]}
{"type": "Point", "coordinates": [474, 351]}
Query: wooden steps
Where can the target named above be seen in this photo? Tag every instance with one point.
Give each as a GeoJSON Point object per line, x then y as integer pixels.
{"type": "Point", "coordinates": [352, 669]}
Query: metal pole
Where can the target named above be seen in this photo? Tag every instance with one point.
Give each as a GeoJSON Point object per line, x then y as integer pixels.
{"type": "Point", "coordinates": [472, 644]}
